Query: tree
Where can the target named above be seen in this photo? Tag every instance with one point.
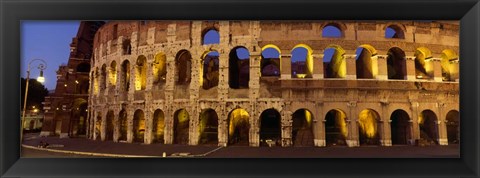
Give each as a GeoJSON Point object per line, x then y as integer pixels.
{"type": "Point", "coordinates": [36, 94]}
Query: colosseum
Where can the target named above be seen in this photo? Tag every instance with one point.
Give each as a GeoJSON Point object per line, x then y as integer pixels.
{"type": "Point", "coordinates": [285, 83]}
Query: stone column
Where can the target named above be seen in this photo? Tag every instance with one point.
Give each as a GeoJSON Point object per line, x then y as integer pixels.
{"type": "Point", "coordinates": [194, 133]}
{"type": "Point", "coordinates": [286, 128]}
{"type": "Point", "coordinates": [286, 67]}
{"type": "Point", "coordinates": [116, 125]}
{"type": "Point", "coordinates": [130, 113]}
{"type": "Point", "coordinates": [442, 127]}
{"type": "Point", "coordinates": [254, 135]}
{"type": "Point", "coordinates": [386, 135]}
{"type": "Point", "coordinates": [318, 66]}
{"type": "Point", "coordinates": [222, 126]}
{"type": "Point", "coordinates": [454, 73]}
{"type": "Point", "coordinates": [352, 119]}
{"type": "Point", "coordinates": [319, 122]}
{"type": "Point", "coordinates": [381, 61]}
{"type": "Point", "coordinates": [223, 77]}
{"type": "Point", "coordinates": [148, 139]}
{"type": "Point", "coordinates": [415, 128]}
{"type": "Point", "coordinates": [351, 67]}
{"type": "Point", "coordinates": [254, 83]}
{"type": "Point", "coordinates": [103, 126]}
{"type": "Point", "coordinates": [410, 68]}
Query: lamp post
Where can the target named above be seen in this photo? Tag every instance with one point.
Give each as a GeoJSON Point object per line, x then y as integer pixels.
{"type": "Point", "coordinates": [42, 66]}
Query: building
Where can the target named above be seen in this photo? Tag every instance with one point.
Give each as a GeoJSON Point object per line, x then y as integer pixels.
{"type": "Point", "coordinates": [66, 108]}
{"type": "Point", "coordinates": [33, 120]}
{"type": "Point", "coordinates": [373, 83]}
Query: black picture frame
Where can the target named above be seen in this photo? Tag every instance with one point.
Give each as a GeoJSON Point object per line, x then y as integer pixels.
{"type": "Point", "coordinates": [13, 12]}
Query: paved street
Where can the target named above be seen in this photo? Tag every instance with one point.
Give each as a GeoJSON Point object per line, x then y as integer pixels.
{"type": "Point", "coordinates": [111, 149]}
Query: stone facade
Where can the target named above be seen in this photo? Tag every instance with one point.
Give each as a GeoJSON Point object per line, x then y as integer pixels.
{"type": "Point", "coordinates": [146, 83]}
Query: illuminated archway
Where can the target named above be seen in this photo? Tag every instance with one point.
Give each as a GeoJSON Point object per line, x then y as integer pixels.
{"type": "Point", "coordinates": [428, 126]}
{"type": "Point", "coordinates": [400, 127]}
{"type": "Point", "coordinates": [138, 126]}
{"type": "Point", "coordinates": [113, 73]}
{"type": "Point", "coordinates": [96, 80]}
{"type": "Point", "coordinates": [181, 125]}
{"type": "Point", "coordinates": [98, 125]}
{"type": "Point", "coordinates": [125, 75]}
{"type": "Point", "coordinates": [270, 127]}
{"type": "Point", "coordinates": [239, 68]}
{"type": "Point", "coordinates": [270, 63]}
{"type": "Point", "coordinates": [302, 132]}
{"type": "Point", "coordinates": [302, 61]}
{"type": "Point", "coordinates": [78, 118]}
{"type": "Point", "coordinates": [109, 129]}
{"type": "Point", "coordinates": [159, 69]}
{"type": "Point", "coordinates": [238, 127]}
{"type": "Point", "coordinates": [158, 126]}
{"type": "Point", "coordinates": [103, 83]}
{"type": "Point", "coordinates": [394, 31]}
{"type": "Point", "coordinates": [123, 125]}
{"type": "Point", "coordinates": [141, 73]}
{"type": "Point", "coordinates": [336, 130]}
{"type": "Point", "coordinates": [449, 72]}
{"type": "Point", "coordinates": [208, 127]}
{"type": "Point", "coordinates": [396, 64]}
{"type": "Point", "coordinates": [210, 36]}
{"type": "Point", "coordinates": [334, 63]}
{"type": "Point", "coordinates": [210, 70]}
{"type": "Point", "coordinates": [366, 67]}
{"type": "Point", "coordinates": [183, 64]}
{"type": "Point", "coordinates": [423, 69]}
{"type": "Point", "coordinates": [368, 127]}
{"type": "Point", "coordinates": [453, 126]}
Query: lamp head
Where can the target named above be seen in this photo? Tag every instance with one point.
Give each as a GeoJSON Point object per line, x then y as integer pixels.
{"type": "Point", "coordinates": [40, 78]}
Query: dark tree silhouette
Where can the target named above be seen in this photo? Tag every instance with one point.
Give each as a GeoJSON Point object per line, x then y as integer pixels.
{"type": "Point", "coordinates": [36, 94]}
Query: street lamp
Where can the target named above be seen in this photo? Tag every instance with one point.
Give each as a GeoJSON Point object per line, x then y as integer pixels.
{"type": "Point", "coordinates": [42, 66]}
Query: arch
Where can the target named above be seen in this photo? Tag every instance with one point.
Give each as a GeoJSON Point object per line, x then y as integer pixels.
{"type": "Point", "coordinates": [126, 47]}
{"type": "Point", "coordinates": [96, 85]}
{"type": "Point", "coordinates": [78, 117]}
{"type": "Point", "coordinates": [112, 75]}
{"type": "Point", "coordinates": [109, 127]}
{"type": "Point", "coordinates": [449, 72]}
{"type": "Point", "coordinates": [423, 69]}
{"type": "Point", "coordinates": [334, 63]}
{"type": "Point", "coordinates": [210, 36]}
{"type": "Point", "coordinates": [270, 62]}
{"type": "Point", "coordinates": [396, 64]}
{"type": "Point", "coordinates": [239, 68]}
{"type": "Point", "coordinates": [270, 127]}
{"type": "Point", "coordinates": [302, 132]}
{"type": "Point", "coordinates": [332, 30]}
{"type": "Point", "coordinates": [98, 125]}
{"type": "Point", "coordinates": [159, 69]}
{"type": "Point", "coordinates": [208, 127]}
{"type": "Point", "coordinates": [103, 82]}
{"type": "Point", "coordinates": [394, 31]}
{"type": "Point", "coordinates": [158, 127]}
{"type": "Point", "coordinates": [400, 127]}
{"type": "Point", "coordinates": [210, 69]}
{"type": "Point", "coordinates": [368, 121]}
{"type": "Point", "coordinates": [367, 68]}
{"type": "Point", "coordinates": [181, 125]}
{"type": "Point", "coordinates": [302, 61]}
{"type": "Point", "coordinates": [125, 75]}
{"type": "Point", "coordinates": [452, 120]}
{"type": "Point", "coordinates": [141, 73]}
{"type": "Point", "coordinates": [123, 125]}
{"type": "Point", "coordinates": [183, 65]}
{"type": "Point", "coordinates": [238, 127]}
{"type": "Point", "coordinates": [428, 122]}
{"type": "Point", "coordinates": [138, 126]}
{"type": "Point", "coordinates": [336, 130]}
{"type": "Point", "coordinates": [83, 67]}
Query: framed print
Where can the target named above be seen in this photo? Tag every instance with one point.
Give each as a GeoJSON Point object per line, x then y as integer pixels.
{"type": "Point", "coordinates": [240, 89]}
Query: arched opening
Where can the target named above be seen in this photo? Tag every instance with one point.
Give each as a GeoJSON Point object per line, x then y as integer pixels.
{"type": "Point", "coordinates": [112, 75]}
{"type": "Point", "coordinates": [98, 126]}
{"type": "Point", "coordinates": [181, 124]}
{"type": "Point", "coordinates": [210, 36]}
{"type": "Point", "coordinates": [103, 81]}
{"type": "Point", "coordinates": [158, 126]}
{"type": "Point", "coordinates": [302, 62]}
{"type": "Point", "coordinates": [423, 68]}
{"type": "Point", "coordinates": [125, 75]}
{"type": "Point", "coordinates": [366, 67]}
{"type": "Point", "coordinates": [239, 68]}
{"type": "Point", "coordinates": [334, 63]}
{"type": "Point", "coordinates": [400, 127]}
{"type": "Point", "coordinates": [183, 64]}
{"type": "Point", "coordinates": [336, 130]}
{"type": "Point", "coordinates": [449, 71]}
{"type": "Point", "coordinates": [126, 47]}
{"type": "Point", "coordinates": [302, 132]}
{"type": "Point", "coordinates": [238, 127]}
{"type": "Point", "coordinates": [138, 126]}
{"type": "Point", "coordinates": [83, 67]}
{"type": "Point", "coordinates": [159, 69]}
{"type": "Point", "coordinates": [82, 85]}
{"type": "Point", "coordinates": [396, 64]}
{"type": "Point", "coordinates": [428, 127]}
{"type": "Point", "coordinates": [141, 73]}
{"type": "Point", "coordinates": [332, 31]}
{"type": "Point", "coordinates": [96, 80]}
{"type": "Point", "coordinates": [270, 127]}
{"type": "Point", "coordinates": [78, 117]}
{"type": "Point", "coordinates": [109, 129]}
{"type": "Point", "coordinates": [368, 127]}
{"type": "Point", "coordinates": [123, 124]}
{"type": "Point", "coordinates": [270, 63]}
{"type": "Point", "coordinates": [210, 74]}
{"type": "Point", "coordinates": [394, 31]}
{"type": "Point", "coordinates": [208, 127]}
{"type": "Point", "coordinates": [453, 127]}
